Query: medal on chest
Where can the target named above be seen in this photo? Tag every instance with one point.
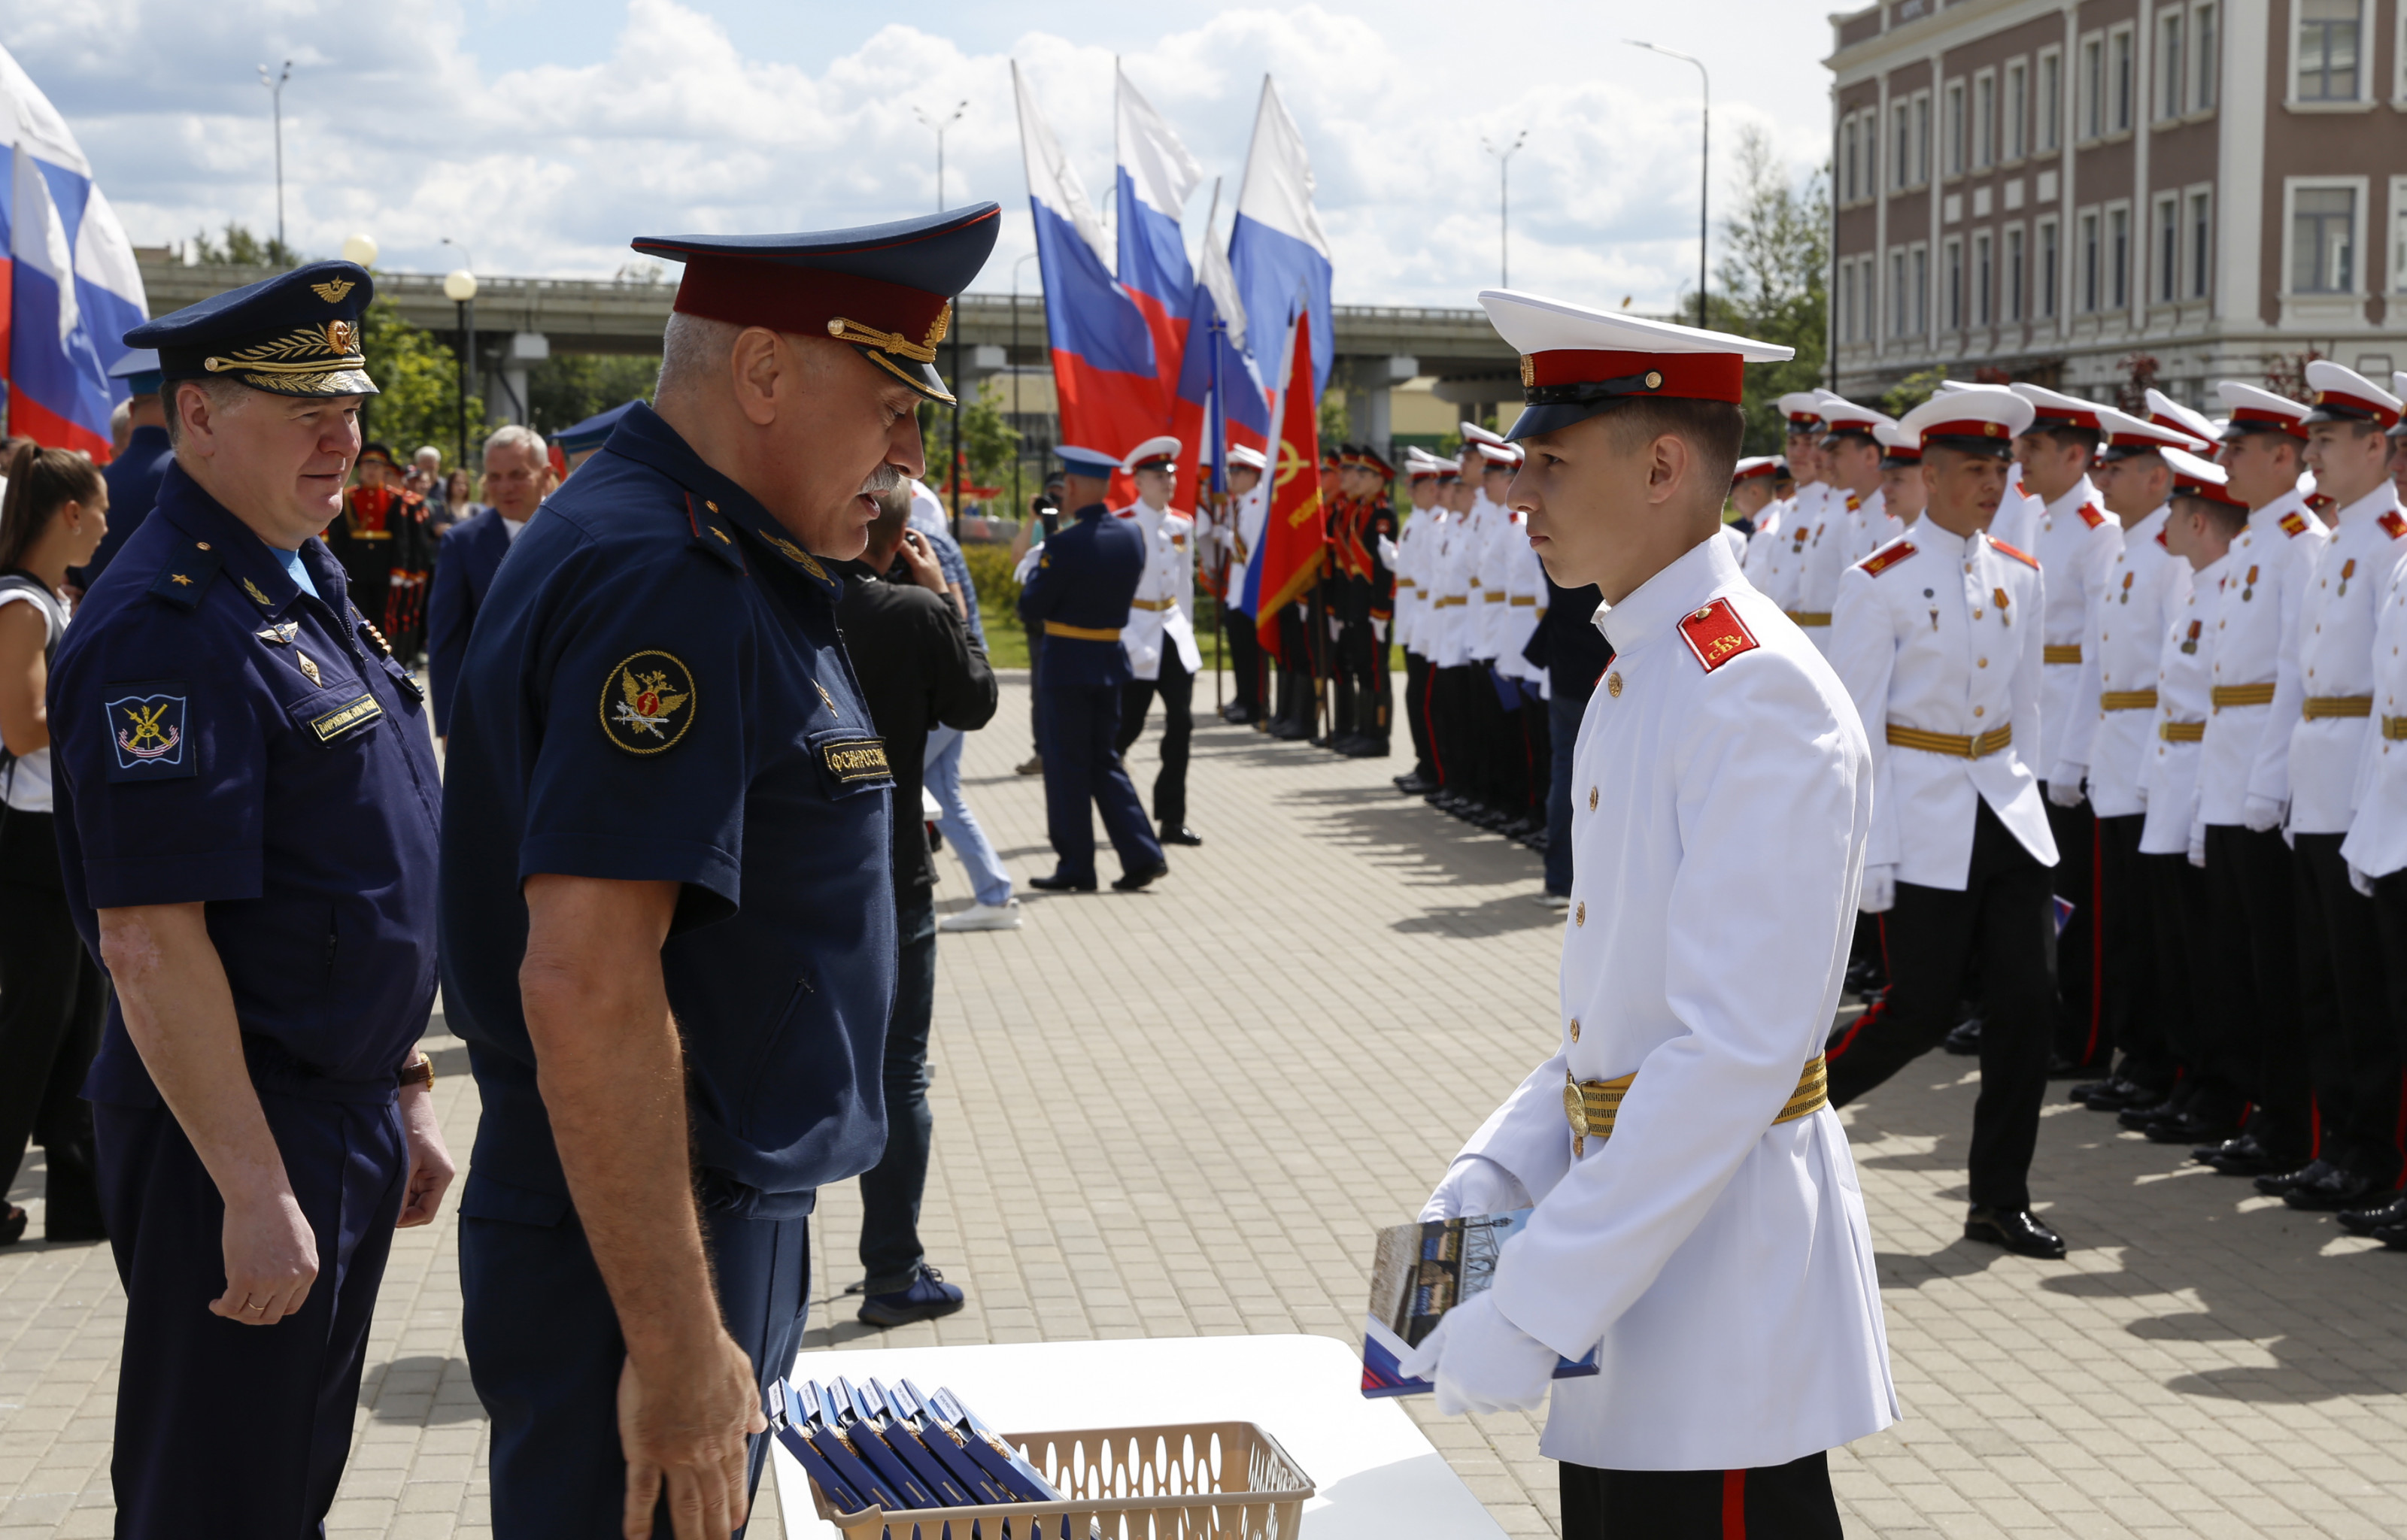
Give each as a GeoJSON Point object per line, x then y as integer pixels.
{"type": "Point", "coordinates": [1997, 597]}
{"type": "Point", "coordinates": [2125, 597]}
{"type": "Point", "coordinates": [2189, 642]}
{"type": "Point", "coordinates": [2347, 571]}
{"type": "Point", "coordinates": [2248, 586]}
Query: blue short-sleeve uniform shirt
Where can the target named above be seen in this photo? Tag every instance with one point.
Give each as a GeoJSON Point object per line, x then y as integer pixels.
{"type": "Point", "coordinates": [222, 737]}
{"type": "Point", "coordinates": [655, 690]}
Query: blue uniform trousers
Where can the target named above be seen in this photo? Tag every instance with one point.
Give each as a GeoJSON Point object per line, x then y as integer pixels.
{"type": "Point", "coordinates": [545, 1352]}
{"type": "Point", "coordinates": [227, 1431]}
{"type": "Point", "coordinates": [1078, 724]}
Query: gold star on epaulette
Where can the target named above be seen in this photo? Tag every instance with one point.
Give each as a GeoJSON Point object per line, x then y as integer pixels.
{"type": "Point", "coordinates": [180, 578]}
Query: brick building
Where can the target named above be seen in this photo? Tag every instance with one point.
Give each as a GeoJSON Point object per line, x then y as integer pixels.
{"type": "Point", "coordinates": [2051, 187]}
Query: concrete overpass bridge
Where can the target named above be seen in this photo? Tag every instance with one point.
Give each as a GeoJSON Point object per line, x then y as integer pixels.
{"type": "Point", "coordinates": [518, 322]}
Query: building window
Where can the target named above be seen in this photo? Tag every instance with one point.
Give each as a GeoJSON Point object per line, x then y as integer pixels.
{"type": "Point", "coordinates": [2091, 264]}
{"type": "Point", "coordinates": [2050, 266]}
{"type": "Point", "coordinates": [2398, 236]}
{"type": "Point", "coordinates": [2051, 100]}
{"type": "Point", "coordinates": [2093, 88]}
{"type": "Point", "coordinates": [1984, 256]}
{"type": "Point", "coordinates": [2018, 111]}
{"type": "Point", "coordinates": [1897, 293]}
{"type": "Point", "coordinates": [2123, 78]}
{"type": "Point", "coordinates": [2201, 242]}
{"type": "Point", "coordinates": [1855, 135]}
{"type": "Point", "coordinates": [2167, 251]}
{"type": "Point", "coordinates": [2323, 240]}
{"type": "Point", "coordinates": [2202, 47]}
{"type": "Point", "coordinates": [1900, 161]}
{"type": "Point", "coordinates": [2171, 73]}
{"type": "Point", "coordinates": [2015, 274]}
{"type": "Point", "coordinates": [2327, 49]}
{"type": "Point", "coordinates": [1956, 128]}
{"type": "Point", "coordinates": [1921, 288]}
{"type": "Point", "coordinates": [1985, 121]}
{"type": "Point", "coordinates": [2118, 257]}
{"type": "Point", "coordinates": [1921, 138]}
{"type": "Point", "coordinates": [1951, 257]}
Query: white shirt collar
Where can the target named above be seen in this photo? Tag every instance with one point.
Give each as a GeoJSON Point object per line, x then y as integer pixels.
{"type": "Point", "coordinates": [1678, 589]}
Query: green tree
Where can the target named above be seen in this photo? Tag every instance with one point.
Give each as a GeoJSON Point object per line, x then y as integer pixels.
{"type": "Point", "coordinates": [567, 387]}
{"type": "Point", "coordinates": [989, 443]}
{"type": "Point", "coordinates": [1913, 390]}
{"type": "Point", "coordinates": [1336, 421]}
{"type": "Point", "coordinates": [1775, 246]}
{"type": "Point", "coordinates": [418, 380]}
{"type": "Point", "coordinates": [241, 248]}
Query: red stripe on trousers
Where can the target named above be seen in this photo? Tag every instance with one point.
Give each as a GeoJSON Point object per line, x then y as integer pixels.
{"type": "Point", "coordinates": [2097, 942]}
{"type": "Point", "coordinates": [1429, 720]}
{"type": "Point", "coordinates": [1734, 1506]}
{"type": "Point", "coordinates": [1880, 923]}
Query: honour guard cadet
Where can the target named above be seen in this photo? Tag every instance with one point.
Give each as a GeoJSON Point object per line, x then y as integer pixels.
{"type": "Point", "coordinates": [1902, 493]}
{"type": "Point", "coordinates": [1080, 592]}
{"type": "Point", "coordinates": [2244, 785]}
{"type": "Point", "coordinates": [1938, 642]}
{"type": "Point", "coordinates": [2077, 538]}
{"type": "Point", "coordinates": [1852, 451]}
{"type": "Point", "coordinates": [1248, 505]}
{"type": "Point", "coordinates": [1416, 550]}
{"type": "Point", "coordinates": [668, 905]}
{"type": "Point", "coordinates": [2107, 739]}
{"type": "Point", "coordinates": [385, 543]}
{"type": "Point", "coordinates": [1367, 606]}
{"type": "Point", "coordinates": [2349, 1041]}
{"type": "Point", "coordinates": [1450, 681]}
{"type": "Point", "coordinates": [245, 805]}
{"type": "Point", "coordinates": [1159, 634]}
{"type": "Point", "coordinates": [1698, 1220]}
{"type": "Point", "coordinates": [134, 472]}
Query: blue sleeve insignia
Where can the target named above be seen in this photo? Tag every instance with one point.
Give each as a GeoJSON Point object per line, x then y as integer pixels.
{"type": "Point", "coordinates": [148, 734]}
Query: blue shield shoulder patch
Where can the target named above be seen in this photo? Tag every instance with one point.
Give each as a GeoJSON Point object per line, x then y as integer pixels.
{"type": "Point", "coordinates": [148, 733]}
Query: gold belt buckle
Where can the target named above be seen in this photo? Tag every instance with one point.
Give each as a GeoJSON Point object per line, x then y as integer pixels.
{"type": "Point", "coordinates": [1576, 1108]}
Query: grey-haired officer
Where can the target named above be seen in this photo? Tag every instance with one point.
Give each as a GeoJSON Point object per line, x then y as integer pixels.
{"type": "Point", "coordinates": [246, 809]}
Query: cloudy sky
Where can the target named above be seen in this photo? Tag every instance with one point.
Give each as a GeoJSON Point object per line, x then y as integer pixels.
{"type": "Point", "coordinates": [541, 134]}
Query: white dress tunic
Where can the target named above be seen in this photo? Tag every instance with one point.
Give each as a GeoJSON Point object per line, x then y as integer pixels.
{"type": "Point", "coordinates": [1722, 1262]}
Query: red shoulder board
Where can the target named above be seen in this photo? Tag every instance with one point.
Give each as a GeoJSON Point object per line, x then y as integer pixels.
{"type": "Point", "coordinates": [2294, 525]}
{"type": "Point", "coordinates": [2392, 525]}
{"type": "Point", "coordinates": [2004, 549]}
{"type": "Point", "coordinates": [2091, 516]}
{"type": "Point", "coordinates": [2160, 540]}
{"type": "Point", "coordinates": [1715, 634]}
{"type": "Point", "coordinates": [1886, 557]}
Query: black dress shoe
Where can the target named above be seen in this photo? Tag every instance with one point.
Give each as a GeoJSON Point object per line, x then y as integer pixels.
{"type": "Point", "coordinates": [2064, 1068]}
{"type": "Point", "coordinates": [1136, 879]}
{"type": "Point", "coordinates": [1289, 731]}
{"type": "Point", "coordinates": [1236, 715]}
{"type": "Point", "coordinates": [2364, 1221]}
{"type": "Point", "coordinates": [2242, 1156]}
{"type": "Point", "coordinates": [2274, 1183]}
{"type": "Point", "coordinates": [2186, 1125]}
{"type": "Point", "coordinates": [2115, 1093]}
{"type": "Point", "coordinates": [1057, 883]}
{"type": "Point", "coordinates": [2337, 1189]}
{"type": "Point", "coordinates": [1965, 1040]}
{"type": "Point", "coordinates": [1365, 747]}
{"type": "Point", "coordinates": [2393, 1236]}
{"type": "Point", "coordinates": [1180, 834]}
{"type": "Point", "coordinates": [1522, 828]}
{"type": "Point", "coordinates": [2019, 1230]}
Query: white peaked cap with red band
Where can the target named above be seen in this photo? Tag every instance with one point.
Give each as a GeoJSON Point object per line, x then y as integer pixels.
{"type": "Point", "coordinates": [1240, 455]}
{"type": "Point", "coordinates": [2127, 432]}
{"type": "Point", "coordinates": [1577, 361]}
{"type": "Point", "coordinates": [2189, 420]}
{"type": "Point", "coordinates": [2194, 477]}
{"type": "Point", "coordinates": [2343, 395]}
{"type": "Point", "coordinates": [1980, 418]}
{"type": "Point", "coordinates": [2257, 410]}
{"type": "Point", "coordinates": [2054, 409]}
{"type": "Point", "coordinates": [1159, 453]}
{"type": "Point", "coordinates": [1755, 465]}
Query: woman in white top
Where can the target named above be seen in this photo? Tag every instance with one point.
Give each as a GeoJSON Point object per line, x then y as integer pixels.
{"type": "Point", "coordinates": [52, 518]}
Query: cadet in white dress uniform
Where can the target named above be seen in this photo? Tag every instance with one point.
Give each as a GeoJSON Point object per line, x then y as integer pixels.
{"type": "Point", "coordinates": [1235, 535]}
{"type": "Point", "coordinates": [2244, 785]}
{"type": "Point", "coordinates": [1160, 636]}
{"type": "Point", "coordinates": [1759, 510]}
{"type": "Point", "coordinates": [1902, 490]}
{"type": "Point", "coordinates": [1708, 1231]}
{"type": "Point", "coordinates": [2351, 1047]}
{"type": "Point", "coordinates": [2107, 737]}
{"type": "Point", "coordinates": [1851, 447]}
{"type": "Point", "coordinates": [1785, 564]}
{"type": "Point", "coordinates": [1938, 640]}
{"type": "Point", "coordinates": [1416, 550]}
{"type": "Point", "coordinates": [1451, 680]}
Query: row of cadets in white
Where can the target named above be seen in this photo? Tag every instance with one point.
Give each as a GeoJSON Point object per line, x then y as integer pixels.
{"type": "Point", "coordinates": [1843, 528]}
{"type": "Point", "coordinates": [1449, 568]}
{"type": "Point", "coordinates": [1416, 542]}
{"type": "Point", "coordinates": [2193, 602]}
{"type": "Point", "coordinates": [1756, 550]}
{"type": "Point", "coordinates": [2376, 845]}
{"type": "Point", "coordinates": [2123, 652]}
{"type": "Point", "coordinates": [1498, 527]}
{"type": "Point", "coordinates": [2078, 541]}
{"type": "Point", "coordinates": [1162, 615]}
{"type": "Point", "coordinates": [1870, 524]}
{"type": "Point", "coordinates": [1940, 632]}
{"type": "Point", "coordinates": [1525, 605]}
{"type": "Point", "coordinates": [2244, 768]}
{"type": "Point", "coordinates": [1805, 517]}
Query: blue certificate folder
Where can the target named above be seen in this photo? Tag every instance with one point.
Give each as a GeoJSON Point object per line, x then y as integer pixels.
{"type": "Point", "coordinates": [1421, 1272]}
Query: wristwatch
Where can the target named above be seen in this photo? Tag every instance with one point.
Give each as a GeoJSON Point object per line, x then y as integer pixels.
{"type": "Point", "coordinates": [420, 1073]}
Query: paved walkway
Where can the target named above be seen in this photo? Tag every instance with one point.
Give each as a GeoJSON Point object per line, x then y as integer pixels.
{"type": "Point", "coordinates": [1186, 1111]}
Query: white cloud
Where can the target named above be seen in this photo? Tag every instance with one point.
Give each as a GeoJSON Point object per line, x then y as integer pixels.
{"type": "Point", "coordinates": [399, 125]}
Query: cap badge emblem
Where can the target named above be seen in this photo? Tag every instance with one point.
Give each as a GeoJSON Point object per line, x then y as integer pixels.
{"type": "Point", "coordinates": [1529, 369]}
{"type": "Point", "coordinates": [1654, 380]}
{"type": "Point", "coordinates": [332, 290]}
{"type": "Point", "coordinates": [937, 328]}
{"type": "Point", "coordinates": [341, 336]}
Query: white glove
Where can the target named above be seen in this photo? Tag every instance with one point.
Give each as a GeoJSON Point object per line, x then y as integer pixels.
{"type": "Point", "coordinates": [1480, 1361]}
{"type": "Point", "coordinates": [1880, 889]}
{"type": "Point", "coordinates": [1475, 1184]}
{"type": "Point", "coordinates": [1386, 552]}
{"type": "Point", "coordinates": [2261, 813]}
{"type": "Point", "coordinates": [2361, 878]}
{"type": "Point", "coordinates": [2064, 786]}
{"type": "Point", "coordinates": [1334, 628]}
{"type": "Point", "coordinates": [2198, 846]}
{"type": "Point", "coordinates": [1379, 630]}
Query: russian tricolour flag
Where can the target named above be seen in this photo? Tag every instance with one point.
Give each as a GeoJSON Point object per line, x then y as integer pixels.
{"type": "Point", "coordinates": [1279, 251]}
{"type": "Point", "coordinates": [1155, 177]}
{"type": "Point", "coordinates": [1219, 399]}
{"type": "Point", "coordinates": [69, 289]}
{"type": "Point", "coordinates": [1105, 366]}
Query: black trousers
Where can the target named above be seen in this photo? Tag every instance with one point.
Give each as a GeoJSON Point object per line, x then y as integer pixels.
{"type": "Point", "coordinates": [1361, 668]}
{"type": "Point", "coordinates": [2250, 890]}
{"type": "Point", "coordinates": [1791, 1502]}
{"type": "Point", "coordinates": [2343, 1006]}
{"type": "Point", "coordinates": [51, 998]}
{"type": "Point", "coordinates": [1176, 687]}
{"type": "Point", "coordinates": [1933, 935]}
{"type": "Point", "coordinates": [2079, 877]}
{"type": "Point", "coordinates": [1416, 705]}
{"type": "Point", "coordinates": [1491, 742]}
{"type": "Point", "coordinates": [2390, 925]}
{"type": "Point", "coordinates": [2197, 976]}
{"type": "Point", "coordinates": [1244, 664]}
{"type": "Point", "coordinates": [1298, 702]}
{"type": "Point", "coordinates": [891, 1191]}
{"type": "Point", "coordinates": [2135, 995]}
{"type": "Point", "coordinates": [1449, 729]}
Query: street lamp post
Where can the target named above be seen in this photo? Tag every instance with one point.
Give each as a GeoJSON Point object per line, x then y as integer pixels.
{"type": "Point", "coordinates": [275, 84]}
{"type": "Point", "coordinates": [1503, 187]}
{"type": "Point", "coordinates": [1017, 505]}
{"type": "Point", "coordinates": [1704, 157]}
{"type": "Point", "coordinates": [921, 114]}
{"type": "Point", "coordinates": [460, 288]}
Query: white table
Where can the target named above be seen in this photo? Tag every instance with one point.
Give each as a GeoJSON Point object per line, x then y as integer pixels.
{"type": "Point", "coordinates": [1376, 1474]}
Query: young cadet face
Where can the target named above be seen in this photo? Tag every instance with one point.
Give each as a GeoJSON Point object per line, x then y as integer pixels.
{"type": "Point", "coordinates": [1902, 491]}
{"type": "Point", "coordinates": [1806, 457]}
{"type": "Point", "coordinates": [2348, 458]}
{"type": "Point", "coordinates": [2262, 467]}
{"type": "Point", "coordinates": [1242, 479]}
{"type": "Point", "coordinates": [276, 462]}
{"type": "Point", "coordinates": [2051, 467]}
{"type": "Point", "coordinates": [1854, 461]}
{"type": "Point", "coordinates": [1610, 508]}
{"type": "Point", "coordinates": [1424, 492]}
{"type": "Point", "coordinates": [2134, 487]}
{"type": "Point", "coordinates": [1153, 489]}
{"type": "Point", "coordinates": [1962, 492]}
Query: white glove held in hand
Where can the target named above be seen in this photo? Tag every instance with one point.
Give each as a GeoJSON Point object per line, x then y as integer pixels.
{"type": "Point", "coordinates": [1481, 1361]}
{"type": "Point", "coordinates": [2198, 844]}
{"type": "Point", "coordinates": [2064, 787]}
{"type": "Point", "coordinates": [1880, 890]}
{"type": "Point", "coordinates": [2261, 813]}
{"type": "Point", "coordinates": [1386, 552]}
{"type": "Point", "coordinates": [2361, 878]}
{"type": "Point", "coordinates": [1474, 1185]}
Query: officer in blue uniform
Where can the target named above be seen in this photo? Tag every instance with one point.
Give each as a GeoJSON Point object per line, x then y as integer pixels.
{"type": "Point", "coordinates": [668, 908]}
{"type": "Point", "coordinates": [133, 476]}
{"type": "Point", "coordinates": [247, 807]}
{"type": "Point", "coordinates": [1078, 596]}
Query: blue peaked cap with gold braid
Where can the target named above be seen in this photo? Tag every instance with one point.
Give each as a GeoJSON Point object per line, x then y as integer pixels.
{"type": "Point", "coordinates": [295, 334]}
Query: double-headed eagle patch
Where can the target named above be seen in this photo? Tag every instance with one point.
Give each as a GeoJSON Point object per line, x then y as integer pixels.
{"type": "Point", "coordinates": [647, 703]}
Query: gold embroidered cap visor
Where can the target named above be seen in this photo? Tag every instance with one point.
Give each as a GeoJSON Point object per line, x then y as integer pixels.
{"type": "Point", "coordinates": [885, 289]}
{"type": "Point", "coordinates": [295, 334]}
